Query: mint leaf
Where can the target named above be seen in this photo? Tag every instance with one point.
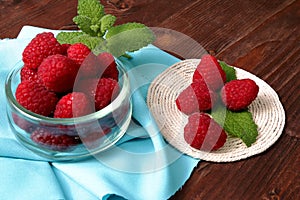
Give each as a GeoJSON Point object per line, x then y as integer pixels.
{"type": "Point", "coordinates": [89, 17]}
{"type": "Point", "coordinates": [96, 29]}
{"type": "Point", "coordinates": [91, 42]}
{"type": "Point", "coordinates": [124, 28]}
{"type": "Point", "coordinates": [99, 34]}
{"type": "Point", "coordinates": [237, 124]}
{"type": "Point", "coordinates": [229, 71]}
{"type": "Point", "coordinates": [91, 9]}
{"type": "Point", "coordinates": [107, 21]}
{"type": "Point", "coordinates": [84, 23]}
{"type": "Point", "coordinates": [79, 37]}
{"type": "Point", "coordinates": [128, 37]}
{"type": "Point", "coordinates": [67, 37]}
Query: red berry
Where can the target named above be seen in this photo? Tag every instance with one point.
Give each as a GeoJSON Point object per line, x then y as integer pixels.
{"type": "Point", "coordinates": [93, 139]}
{"type": "Point", "coordinates": [65, 49]}
{"type": "Point", "coordinates": [106, 91]}
{"type": "Point", "coordinates": [239, 94]}
{"type": "Point", "coordinates": [90, 67]}
{"type": "Point", "coordinates": [78, 52]}
{"type": "Point", "coordinates": [82, 55]}
{"type": "Point", "coordinates": [75, 104]}
{"type": "Point", "coordinates": [23, 123]}
{"type": "Point", "coordinates": [36, 98]}
{"type": "Point", "coordinates": [196, 97]}
{"type": "Point", "coordinates": [87, 86]}
{"type": "Point", "coordinates": [109, 66]}
{"type": "Point", "coordinates": [103, 90]}
{"type": "Point", "coordinates": [203, 133]}
{"type": "Point", "coordinates": [28, 74]}
{"type": "Point", "coordinates": [53, 139]}
{"type": "Point", "coordinates": [210, 72]}
{"type": "Point", "coordinates": [40, 47]}
{"type": "Point", "coordinates": [58, 73]}
{"type": "Point", "coordinates": [89, 64]}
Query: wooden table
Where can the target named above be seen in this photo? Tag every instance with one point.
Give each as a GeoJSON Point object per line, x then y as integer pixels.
{"type": "Point", "coordinates": [260, 36]}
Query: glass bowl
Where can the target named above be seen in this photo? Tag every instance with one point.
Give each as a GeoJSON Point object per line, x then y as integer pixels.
{"type": "Point", "coordinates": [86, 135]}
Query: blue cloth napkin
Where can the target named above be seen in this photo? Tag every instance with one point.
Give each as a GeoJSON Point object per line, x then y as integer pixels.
{"type": "Point", "coordinates": [114, 174]}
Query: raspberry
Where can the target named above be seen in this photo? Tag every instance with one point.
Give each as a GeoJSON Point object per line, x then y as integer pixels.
{"type": "Point", "coordinates": [23, 123]}
{"type": "Point", "coordinates": [36, 98]}
{"type": "Point", "coordinates": [82, 55]}
{"type": "Point", "coordinates": [103, 90]}
{"type": "Point", "coordinates": [106, 91]}
{"type": "Point", "coordinates": [28, 74]}
{"type": "Point", "coordinates": [78, 52]}
{"type": "Point", "coordinates": [90, 67]}
{"type": "Point", "coordinates": [94, 138]}
{"type": "Point", "coordinates": [109, 66]}
{"type": "Point", "coordinates": [239, 94]}
{"type": "Point", "coordinates": [40, 47]}
{"type": "Point", "coordinates": [210, 72]}
{"type": "Point", "coordinates": [75, 104]}
{"type": "Point", "coordinates": [58, 73]}
{"type": "Point", "coordinates": [53, 139]}
{"type": "Point", "coordinates": [196, 97]}
{"type": "Point", "coordinates": [87, 86]}
{"type": "Point", "coordinates": [203, 133]}
{"type": "Point", "coordinates": [65, 48]}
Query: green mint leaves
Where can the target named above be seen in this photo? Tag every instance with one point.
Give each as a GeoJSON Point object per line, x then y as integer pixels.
{"type": "Point", "coordinates": [90, 8]}
{"type": "Point", "coordinates": [236, 124]}
{"type": "Point", "coordinates": [75, 37]}
{"type": "Point", "coordinates": [106, 22]}
{"type": "Point", "coordinates": [230, 71]}
{"type": "Point", "coordinates": [119, 37]}
{"type": "Point", "coordinates": [99, 33]}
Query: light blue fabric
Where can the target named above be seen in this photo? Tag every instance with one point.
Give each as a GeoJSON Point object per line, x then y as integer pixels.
{"type": "Point", "coordinates": [129, 170]}
{"type": "Point", "coordinates": [26, 179]}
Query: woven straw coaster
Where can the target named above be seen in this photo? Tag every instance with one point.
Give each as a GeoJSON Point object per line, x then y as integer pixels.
{"type": "Point", "coordinates": [267, 111]}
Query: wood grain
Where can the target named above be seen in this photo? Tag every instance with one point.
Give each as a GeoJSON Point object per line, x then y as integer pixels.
{"type": "Point", "coordinates": [261, 36]}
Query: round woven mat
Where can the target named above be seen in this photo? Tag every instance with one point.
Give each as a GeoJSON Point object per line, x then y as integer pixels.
{"type": "Point", "coordinates": [267, 111]}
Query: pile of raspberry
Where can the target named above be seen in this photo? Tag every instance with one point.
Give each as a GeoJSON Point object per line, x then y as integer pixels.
{"type": "Point", "coordinates": [64, 81]}
{"type": "Point", "coordinates": [208, 88]}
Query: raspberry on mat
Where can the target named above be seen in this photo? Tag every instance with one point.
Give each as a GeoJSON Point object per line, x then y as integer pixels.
{"type": "Point", "coordinates": [196, 97]}
{"type": "Point", "coordinates": [203, 133]}
{"type": "Point", "coordinates": [239, 94]}
{"type": "Point", "coordinates": [210, 71]}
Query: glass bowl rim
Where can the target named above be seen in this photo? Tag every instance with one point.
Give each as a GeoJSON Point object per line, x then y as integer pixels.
{"type": "Point", "coordinates": [66, 121]}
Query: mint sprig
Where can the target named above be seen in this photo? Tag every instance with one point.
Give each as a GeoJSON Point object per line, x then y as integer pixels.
{"type": "Point", "coordinates": [237, 124]}
{"type": "Point", "coordinates": [119, 37]}
{"type": "Point", "coordinates": [91, 9]}
{"type": "Point", "coordinates": [75, 37]}
{"type": "Point", "coordinates": [99, 33]}
{"type": "Point", "coordinates": [229, 71]}
{"type": "Point", "coordinates": [106, 22]}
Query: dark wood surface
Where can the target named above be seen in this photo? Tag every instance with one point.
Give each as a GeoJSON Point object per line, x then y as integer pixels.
{"type": "Point", "coordinates": [261, 36]}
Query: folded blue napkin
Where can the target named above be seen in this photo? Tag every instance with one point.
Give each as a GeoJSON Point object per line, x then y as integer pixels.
{"type": "Point", "coordinates": [125, 171]}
